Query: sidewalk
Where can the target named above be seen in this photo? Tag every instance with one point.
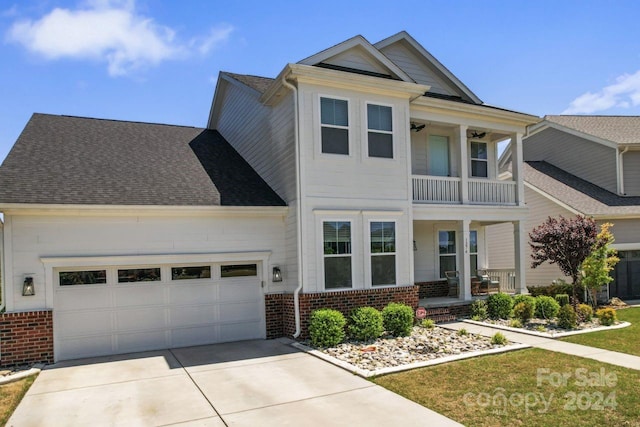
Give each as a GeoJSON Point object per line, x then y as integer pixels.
{"type": "Point", "coordinates": [607, 356]}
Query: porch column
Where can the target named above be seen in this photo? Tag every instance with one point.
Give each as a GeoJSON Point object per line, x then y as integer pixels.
{"type": "Point", "coordinates": [463, 163]}
{"type": "Point", "coordinates": [520, 238]}
{"type": "Point", "coordinates": [464, 268]}
{"type": "Point", "coordinates": [517, 167]}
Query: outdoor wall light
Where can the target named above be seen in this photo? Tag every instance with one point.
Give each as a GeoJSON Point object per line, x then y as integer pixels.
{"type": "Point", "coordinates": [27, 287]}
{"type": "Point", "coordinates": [277, 274]}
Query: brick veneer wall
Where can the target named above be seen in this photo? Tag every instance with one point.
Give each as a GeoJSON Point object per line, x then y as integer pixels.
{"type": "Point", "coordinates": [438, 288]}
{"type": "Point", "coordinates": [344, 301]}
{"type": "Point", "coordinates": [273, 314]}
{"type": "Point", "coordinates": [26, 337]}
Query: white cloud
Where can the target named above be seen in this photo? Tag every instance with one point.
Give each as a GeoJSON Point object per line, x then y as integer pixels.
{"type": "Point", "coordinates": [109, 31]}
{"type": "Point", "coordinates": [624, 93]}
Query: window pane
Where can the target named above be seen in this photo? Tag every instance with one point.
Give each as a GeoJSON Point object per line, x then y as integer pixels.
{"type": "Point", "coordinates": [447, 242]}
{"type": "Point", "coordinates": [185, 273]}
{"type": "Point", "coordinates": [379, 117]}
{"type": "Point", "coordinates": [473, 241]}
{"type": "Point", "coordinates": [438, 155]}
{"type": "Point", "coordinates": [93, 277]}
{"type": "Point", "coordinates": [334, 112]}
{"type": "Point", "coordinates": [447, 263]}
{"type": "Point", "coordinates": [474, 265]}
{"type": "Point", "coordinates": [479, 150]}
{"type": "Point", "coordinates": [479, 168]}
{"type": "Point", "coordinates": [381, 145]}
{"type": "Point", "coordinates": [383, 237]}
{"type": "Point", "coordinates": [239, 270]}
{"type": "Point", "coordinates": [139, 275]}
{"type": "Point", "coordinates": [383, 270]}
{"type": "Point", "coordinates": [337, 272]}
{"type": "Point", "coordinates": [335, 141]}
{"type": "Point", "coordinates": [337, 237]}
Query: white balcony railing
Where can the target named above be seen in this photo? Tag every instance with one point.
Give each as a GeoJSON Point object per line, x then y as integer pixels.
{"type": "Point", "coordinates": [443, 189]}
{"type": "Point", "coordinates": [436, 189]}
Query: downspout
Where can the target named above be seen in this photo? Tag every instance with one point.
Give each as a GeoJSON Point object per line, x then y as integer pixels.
{"type": "Point", "coordinates": [2, 274]}
{"type": "Point", "coordinates": [621, 169]}
{"type": "Point", "coordinates": [296, 293]}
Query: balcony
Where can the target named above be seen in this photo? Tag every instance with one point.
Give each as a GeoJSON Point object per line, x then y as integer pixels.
{"type": "Point", "coordinates": [447, 190]}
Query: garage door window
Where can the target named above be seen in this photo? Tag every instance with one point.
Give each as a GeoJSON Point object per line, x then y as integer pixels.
{"type": "Point", "coordinates": [91, 277]}
{"type": "Point", "coordinates": [239, 270]}
{"type": "Point", "coordinates": [139, 275]}
{"type": "Point", "coordinates": [186, 273]}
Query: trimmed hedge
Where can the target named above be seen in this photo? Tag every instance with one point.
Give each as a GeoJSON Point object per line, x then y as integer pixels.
{"type": "Point", "coordinates": [326, 327]}
{"type": "Point", "coordinates": [554, 289]}
{"type": "Point", "coordinates": [398, 319]}
{"type": "Point", "coordinates": [365, 323]}
{"type": "Point", "coordinates": [499, 306]}
{"type": "Point", "coordinates": [546, 307]}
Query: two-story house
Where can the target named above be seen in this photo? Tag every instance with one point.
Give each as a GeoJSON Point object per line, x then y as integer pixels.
{"type": "Point", "coordinates": [581, 165]}
{"type": "Point", "coordinates": [358, 176]}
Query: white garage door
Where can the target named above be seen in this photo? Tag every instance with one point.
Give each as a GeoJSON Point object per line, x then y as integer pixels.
{"type": "Point", "coordinates": [101, 311]}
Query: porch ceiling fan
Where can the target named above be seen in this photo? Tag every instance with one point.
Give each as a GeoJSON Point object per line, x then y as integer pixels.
{"type": "Point", "coordinates": [478, 135]}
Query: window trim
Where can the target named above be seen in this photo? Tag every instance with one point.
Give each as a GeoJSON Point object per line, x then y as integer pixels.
{"type": "Point", "coordinates": [369, 254]}
{"type": "Point", "coordinates": [437, 250]}
{"type": "Point", "coordinates": [322, 256]}
{"type": "Point", "coordinates": [320, 125]}
{"type": "Point", "coordinates": [366, 130]}
{"type": "Point", "coordinates": [475, 159]}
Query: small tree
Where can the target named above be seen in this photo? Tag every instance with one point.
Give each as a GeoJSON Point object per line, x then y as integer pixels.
{"type": "Point", "coordinates": [565, 242]}
{"type": "Point", "coordinates": [597, 266]}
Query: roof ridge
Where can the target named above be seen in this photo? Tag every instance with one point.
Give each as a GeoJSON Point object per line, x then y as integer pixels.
{"type": "Point", "coordinates": [118, 120]}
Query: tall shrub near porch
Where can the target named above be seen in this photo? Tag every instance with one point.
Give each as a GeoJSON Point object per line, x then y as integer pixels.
{"type": "Point", "coordinates": [597, 266]}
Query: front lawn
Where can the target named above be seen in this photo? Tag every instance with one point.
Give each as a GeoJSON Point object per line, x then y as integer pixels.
{"type": "Point", "coordinates": [624, 340]}
{"type": "Point", "coordinates": [531, 387]}
{"type": "Point", "coordinates": [10, 396]}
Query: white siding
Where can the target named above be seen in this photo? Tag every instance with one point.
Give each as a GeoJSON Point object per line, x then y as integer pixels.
{"type": "Point", "coordinates": [625, 230]}
{"type": "Point", "coordinates": [358, 59]}
{"type": "Point", "coordinates": [418, 69]}
{"type": "Point", "coordinates": [33, 237]}
{"type": "Point", "coordinates": [631, 170]}
{"type": "Point", "coordinates": [586, 159]}
{"type": "Point", "coordinates": [501, 246]}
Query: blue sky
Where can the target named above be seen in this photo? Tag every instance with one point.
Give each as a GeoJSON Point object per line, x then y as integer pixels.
{"type": "Point", "coordinates": [157, 61]}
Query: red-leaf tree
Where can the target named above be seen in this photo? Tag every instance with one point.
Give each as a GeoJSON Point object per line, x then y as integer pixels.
{"type": "Point", "coordinates": [565, 242]}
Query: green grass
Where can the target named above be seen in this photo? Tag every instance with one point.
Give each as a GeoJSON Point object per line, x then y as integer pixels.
{"type": "Point", "coordinates": [625, 340]}
{"type": "Point", "coordinates": [10, 396]}
{"type": "Point", "coordinates": [491, 390]}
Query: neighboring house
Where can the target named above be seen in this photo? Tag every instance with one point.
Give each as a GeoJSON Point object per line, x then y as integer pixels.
{"type": "Point", "coordinates": [587, 165]}
{"type": "Point", "coordinates": [350, 177]}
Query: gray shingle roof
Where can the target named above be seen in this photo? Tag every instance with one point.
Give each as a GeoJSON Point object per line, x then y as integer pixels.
{"type": "Point", "coordinates": [261, 84]}
{"type": "Point", "coordinates": [581, 195]}
{"type": "Point", "coordinates": [618, 129]}
{"type": "Point", "coordinates": [75, 160]}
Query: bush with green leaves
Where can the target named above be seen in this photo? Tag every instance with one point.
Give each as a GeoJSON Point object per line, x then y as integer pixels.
{"type": "Point", "coordinates": [397, 319]}
{"type": "Point", "coordinates": [479, 310]}
{"type": "Point", "coordinates": [558, 287]}
{"type": "Point", "coordinates": [326, 327]}
{"type": "Point", "coordinates": [567, 318]}
{"type": "Point", "coordinates": [523, 311]}
{"type": "Point", "coordinates": [584, 312]}
{"type": "Point", "coordinates": [428, 323]}
{"type": "Point", "coordinates": [499, 306]}
{"type": "Point", "coordinates": [607, 316]}
{"type": "Point", "coordinates": [365, 323]}
{"type": "Point", "coordinates": [515, 323]}
{"type": "Point", "coordinates": [546, 307]}
{"type": "Point", "coordinates": [462, 332]}
{"type": "Point", "coordinates": [563, 299]}
{"type": "Point", "coordinates": [498, 339]}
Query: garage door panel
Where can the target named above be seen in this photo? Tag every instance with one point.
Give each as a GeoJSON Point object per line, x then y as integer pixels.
{"type": "Point", "coordinates": [240, 312]}
{"type": "Point", "coordinates": [183, 337]}
{"type": "Point", "coordinates": [139, 295]}
{"type": "Point", "coordinates": [83, 322]}
{"type": "Point", "coordinates": [141, 341]}
{"type": "Point", "coordinates": [193, 316]}
{"type": "Point", "coordinates": [84, 297]}
{"type": "Point", "coordinates": [239, 291]}
{"type": "Point", "coordinates": [140, 319]}
{"type": "Point", "coordinates": [193, 294]}
{"type": "Point", "coordinates": [74, 348]}
{"type": "Point", "coordinates": [240, 331]}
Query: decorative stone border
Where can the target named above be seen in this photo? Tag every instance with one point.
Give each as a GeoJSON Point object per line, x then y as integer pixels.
{"type": "Point", "coordinates": [548, 334]}
{"type": "Point", "coordinates": [365, 373]}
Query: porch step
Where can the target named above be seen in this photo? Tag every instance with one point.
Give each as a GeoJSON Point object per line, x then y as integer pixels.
{"type": "Point", "coordinates": [440, 314]}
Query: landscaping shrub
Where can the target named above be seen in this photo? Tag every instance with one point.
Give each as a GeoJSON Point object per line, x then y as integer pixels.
{"type": "Point", "coordinates": [498, 339]}
{"type": "Point", "coordinates": [428, 324]}
{"type": "Point", "coordinates": [462, 332]}
{"type": "Point", "coordinates": [523, 311]}
{"type": "Point", "coordinates": [479, 310]}
{"type": "Point", "coordinates": [607, 316]}
{"type": "Point", "coordinates": [326, 327]}
{"type": "Point", "coordinates": [499, 306]}
{"type": "Point", "coordinates": [515, 323]}
{"type": "Point", "coordinates": [567, 318]}
{"type": "Point", "coordinates": [584, 312]}
{"type": "Point", "coordinates": [365, 323]}
{"type": "Point", "coordinates": [560, 287]}
{"type": "Point", "coordinates": [546, 307]}
{"type": "Point", "coordinates": [563, 299]}
{"type": "Point", "coordinates": [397, 319]}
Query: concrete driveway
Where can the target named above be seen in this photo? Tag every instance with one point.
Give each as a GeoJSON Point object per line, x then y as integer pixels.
{"type": "Point", "coordinates": [250, 383]}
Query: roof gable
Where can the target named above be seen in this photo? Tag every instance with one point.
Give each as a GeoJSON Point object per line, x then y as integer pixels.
{"type": "Point", "coordinates": [357, 55]}
{"type": "Point", "coordinates": [423, 67]}
{"type": "Point", "coordinates": [622, 130]}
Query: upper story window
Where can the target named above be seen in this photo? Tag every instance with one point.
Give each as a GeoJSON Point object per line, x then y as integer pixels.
{"type": "Point", "coordinates": [380, 131]}
{"type": "Point", "coordinates": [337, 254]}
{"type": "Point", "coordinates": [334, 120]}
{"type": "Point", "coordinates": [479, 162]}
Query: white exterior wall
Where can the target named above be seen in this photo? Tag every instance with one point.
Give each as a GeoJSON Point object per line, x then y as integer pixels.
{"type": "Point", "coordinates": [32, 237]}
{"type": "Point", "coordinates": [631, 169]}
{"type": "Point", "coordinates": [625, 231]}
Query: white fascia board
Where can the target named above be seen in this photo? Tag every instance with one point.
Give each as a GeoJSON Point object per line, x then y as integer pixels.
{"type": "Point", "coordinates": [433, 212]}
{"type": "Point", "coordinates": [140, 210]}
{"type": "Point", "coordinates": [144, 259]}
{"type": "Point", "coordinates": [545, 124]}
{"type": "Point", "coordinates": [403, 35]}
{"type": "Point", "coordinates": [350, 44]}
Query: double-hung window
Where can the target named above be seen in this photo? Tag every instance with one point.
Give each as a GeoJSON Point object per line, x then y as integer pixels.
{"type": "Point", "coordinates": [337, 254]}
{"type": "Point", "coordinates": [334, 123]}
{"type": "Point", "coordinates": [380, 131]}
{"type": "Point", "coordinates": [447, 251]}
{"type": "Point", "coordinates": [473, 251]}
{"type": "Point", "coordinates": [383, 253]}
{"type": "Point", "coordinates": [479, 162]}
